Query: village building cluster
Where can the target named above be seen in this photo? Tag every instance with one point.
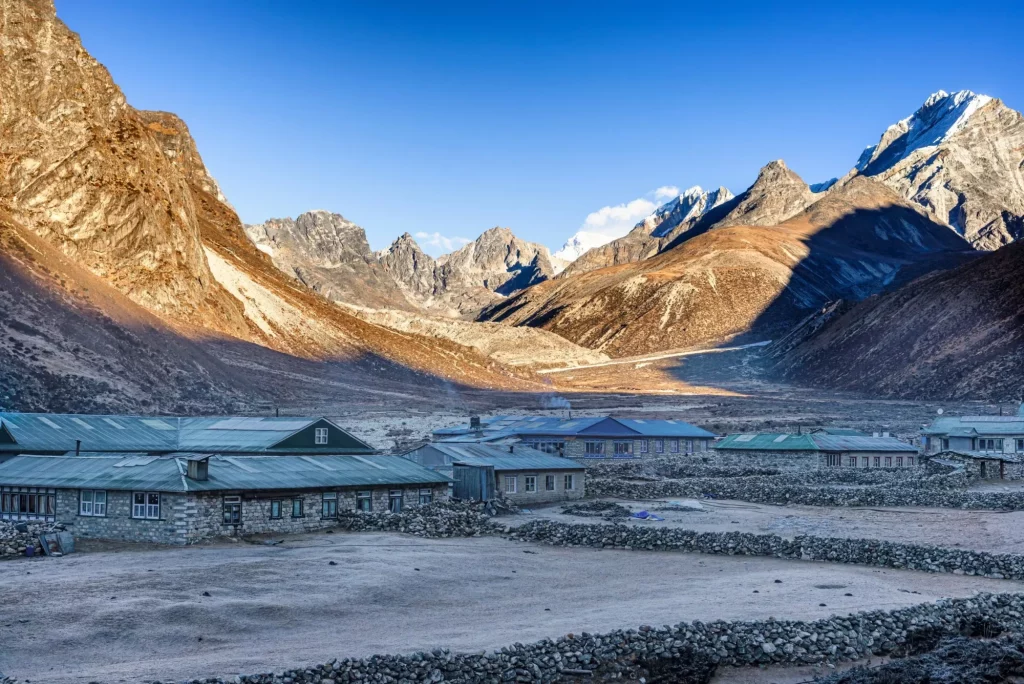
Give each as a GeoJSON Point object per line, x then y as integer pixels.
{"type": "Point", "coordinates": [179, 480]}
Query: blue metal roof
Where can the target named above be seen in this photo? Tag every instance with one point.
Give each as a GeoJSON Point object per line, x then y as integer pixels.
{"type": "Point", "coordinates": [166, 473]}
{"type": "Point", "coordinates": [42, 432]}
{"type": "Point", "coordinates": [441, 454]}
{"type": "Point", "coordinates": [969, 426]}
{"type": "Point", "coordinates": [599, 426]}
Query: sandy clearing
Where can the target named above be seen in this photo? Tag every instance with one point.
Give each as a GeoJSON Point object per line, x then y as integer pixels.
{"type": "Point", "coordinates": [992, 531]}
{"type": "Point", "coordinates": [139, 615]}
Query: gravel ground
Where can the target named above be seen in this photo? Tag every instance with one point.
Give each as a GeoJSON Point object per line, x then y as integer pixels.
{"type": "Point", "coordinates": [993, 531]}
{"type": "Point", "coordinates": [136, 615]}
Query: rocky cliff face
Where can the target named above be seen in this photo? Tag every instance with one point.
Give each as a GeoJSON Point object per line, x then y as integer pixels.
{"type": "Point", "coordinates": [123, 197]}
{"type": "Point", "coordinates": [331, 255]}
{"type": "Point", "coordinates": [737, 278]}
{"type": "Point", "coordinates": [961, 157]}
{"type": "Point", "coordinates": [952, 334]}
{"type": "Point", "coordinates": [85, 171]}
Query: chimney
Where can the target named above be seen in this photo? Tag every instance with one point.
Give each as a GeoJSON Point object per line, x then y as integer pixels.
{"type": "Point", "coordinates": [474, 423]}
{"type": "Point", "coordinates": [885, 434]}
{"type": "Point", "coordinates": [511, 448]}
{"type": "Point", "coordinates": [198, 469]}
{"type": "Point", "coordinates": [78, 447]}
{"type": "Point", "coordinates": [875, 434]}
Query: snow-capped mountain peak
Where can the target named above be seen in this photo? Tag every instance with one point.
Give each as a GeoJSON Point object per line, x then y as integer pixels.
{"type": "Point", "coordinates": [940, 117]}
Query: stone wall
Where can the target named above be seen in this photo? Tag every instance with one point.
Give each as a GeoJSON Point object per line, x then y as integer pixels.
{"type": "Point", "coordinates": [687, 651]}
{"type": "Point", "coordinates": [576, 448]}
{"type": "Point", "coordinates": [798, 461]}
{"type": "Point", "coordinates": [118, 523]}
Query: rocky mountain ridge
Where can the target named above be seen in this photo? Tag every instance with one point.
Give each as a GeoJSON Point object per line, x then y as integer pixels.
{"type": "Point", "coordinates": [734, 278]}
{"type": "Point", "coordinates": [158, 275]}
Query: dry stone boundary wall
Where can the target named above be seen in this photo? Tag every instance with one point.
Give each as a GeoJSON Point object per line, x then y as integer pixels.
{"type": "Point", "coordinates": [688, 651]}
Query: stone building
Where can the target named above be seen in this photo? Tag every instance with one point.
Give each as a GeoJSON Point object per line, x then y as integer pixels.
{"type": "Point", "coordinates": [975, 434]}
{"type": "Point", "coordinates": [789, 452]}
{"type": "Point", "coordinates": [985, 465]}
{"type": "Point", "coordinates": [586, 438]}
{"type": "Point", "coordinates": [514, 472]}
{"type": "Point", "coordinates": [56, 434]}
{"type": "Point", "coordinates": [181, 498]}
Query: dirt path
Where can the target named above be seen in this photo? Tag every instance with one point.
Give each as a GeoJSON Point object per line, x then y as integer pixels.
{"type": "Point", "coordinates": [142, 614]}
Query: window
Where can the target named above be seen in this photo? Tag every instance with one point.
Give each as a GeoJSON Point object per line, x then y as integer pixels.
{"type": "Point", "coordinates": [92, 502]}
{"type": "Point", "coordinates": [549, 447]}
{"type": "Point", "coordinates": [689, 446]}
{"type": "Point", "coordinates": [395, 500]}
{"type": "Point", "coordinates": [27, 503]}
{"type": "Point", "coordinates": [623, 449]}
{"type": "Point", "coordinates": [945, 444]}
{"type": "Point", "coordinates": [569, 484]}
{"type": "Point", "coordinates": [297, 511]}
{"type": "Point", "coordinates": [232, 510]}
{"type": "Point", "coordinates": [320, 436]}
{"type": "Point", "coordinates": [910, 460]}
{"type": "Point", "coordinates": [329, 505]}
{"type": "Point", "coordinates": [426, 496]}
{"type": "Point", "coordinates": [594, 448]}
{"type": "Point", "coordinates": [531, 483]}
{"type": "Point", "coordinates": [364, 501]}
{"type": "Point", "coordinates": [674, 446]}
{"type": "Point", "coordinates": [888, 461]}
{"type": "Point", "coordinates": [659, 446]}
{"type": "Point", "coordinates": [832, 459]}
{"type": "Point", "coordinates": [851, 461]}
{"type": "Point", "coordinates": [146, 505]}
{"type": "Point", "coordinates": [510, 484]}
{"type": "Point", "coordinates": [643, 446]}
{"type": "Point", "coordinates": [275, 509]}
{"type": "Point", "coordinates": [990, 444]}
{"type": "Point", "coordinates": [549, 483]}
{"type": "Point", "coordinates": [864, 461]}
{"type": "Point", "coordinates": [899, 461]}
{"type": "Point", "coordinates": [878, 461]}
{"type": "Point", "coordinates": [1020, 445]}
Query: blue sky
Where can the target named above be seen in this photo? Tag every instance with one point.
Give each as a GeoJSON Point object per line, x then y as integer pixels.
{"type": "Point", "coordinates": [450, 118]}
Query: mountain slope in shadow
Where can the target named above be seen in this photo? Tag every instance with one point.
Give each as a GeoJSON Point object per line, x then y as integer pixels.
{"type": "Point", "coordinates": [855, 241]}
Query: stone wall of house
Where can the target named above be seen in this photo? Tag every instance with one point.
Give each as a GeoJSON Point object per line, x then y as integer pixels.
{"type": "Point", "coordinates": [798, 461]}
{"type": "Point", "coordinates": [576, 449]}
{"type": "Point", "coordinates": [992, 471]}
{"type": "Point", "coordinates": [118, 523]}
{"type": "Point", "coordinates": [542, 494]}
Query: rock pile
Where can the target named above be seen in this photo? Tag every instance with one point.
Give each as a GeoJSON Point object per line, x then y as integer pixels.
{"type": "Point", "coordinates": [597, 509]}
{"type": "Point", "coordinates": [831, 549]}
{"type": "Point", "coordinates": [16, 537]}
{"type": "Point", "coordinates": [684, 652]}
{"type": "Point", "coordinates": [438, 519]}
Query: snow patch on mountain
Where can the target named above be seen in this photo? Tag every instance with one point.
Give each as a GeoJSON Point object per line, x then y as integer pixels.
{"type": "Point", "coordinates": [582, 242]}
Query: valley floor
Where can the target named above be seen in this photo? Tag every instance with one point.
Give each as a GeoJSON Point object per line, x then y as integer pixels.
{"type": "Point", "coordinates": [143, 614]}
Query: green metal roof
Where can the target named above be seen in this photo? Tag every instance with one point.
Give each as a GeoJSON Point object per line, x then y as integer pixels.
{"type": "Point", "coordinates": [49, 432]}
{"type": "Point", "coordinates": [165, 473]}
{"type": "Point", "coordinates": [768, 442]}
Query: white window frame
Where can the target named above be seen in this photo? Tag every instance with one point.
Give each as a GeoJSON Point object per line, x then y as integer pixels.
{"type": "Point", "coordinates": [899, 461]}
{"type": "Point", "coordinates": [89, 504]}
{"type": "Point", "coordinates": [833, 460]}
{"type": "Point", "coordinates": [530, 484]}
{"type": "Point", "coordinates": [393, 496]}
{"type": "Point", "coordinates": [367, 496]}
{"type": "Point", "coordinates": [569, 482]}
{"type": "Point", "coordinates": [329, 505]}
{"type": "Point", "coordinates": [15, 502]}
{"type": "Point", "coordinates": [864, 461]}
{"type": "Point", "coordinates": [673, 446]}
{"type": "Point", "coordinates": [146, 510]}
{"type": "Point", "coordinates": [851, 461]}
{"type": "Point", "coordinates": [659, 446]}
{"type": "Point", "coordinates": [426, 496]}
{"type": "Point", "coordinates": [228, 505]}
{"type": "Point", "coordinates": [1020, 444]}
{"type": "Point", "coordinates": [689, 446]}
{"type": "Point", "coordinates": [878, 461]}
{"type": "Point", "coordinates": [598, 445]}
{"type": "Point", "coordinates": [910, 460]}
{"type": "Point", "coordinates": [511, 484]}
{"type": "Point", "coordinates": [549, 483]}
{"type": "Point", "coordinates": [320, 436]}
{"type": "Point", "coordinates": [627, 443]}
{"type": "Point", "coordinates": [643, 446]}
{"type": "Point", "coordinates": [888, 461]}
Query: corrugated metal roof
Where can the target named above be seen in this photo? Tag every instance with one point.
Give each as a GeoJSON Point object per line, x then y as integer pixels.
{"type": "Point", "coordinates": [979, 455]}
{"type": "Point", "coordinates": [119, 471]}
{"type": "Point", "coordinates": [967, 426]}
{"type": "Point", "coordinates": [58, 432]}
{"type": "Point", "coordinates": [849, 432]}
{"type": "Point", "coordinates": [439, 454]}
{"type": "Point", "coordinates": [563, 427]}
{"type": "Point", "coordinates": [861, 443]}
{"type": "Point", "coordinates": [768, 442]}
{"type": "Point", "coordinates": [787, 442]}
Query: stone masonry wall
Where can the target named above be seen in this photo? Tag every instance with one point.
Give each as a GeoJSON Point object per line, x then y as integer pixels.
{"type": "Point", "coordinates": [687, 651]}
{"type": "Point", "coordinates": [542, 495]}
{"type": "Point", "coordinates": [576, 449]}
{"type": "Point", "coordinates": [118, 523]}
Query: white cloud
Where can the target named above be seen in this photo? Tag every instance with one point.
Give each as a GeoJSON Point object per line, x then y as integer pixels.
{"type": "Point", "coordinates": [441, 242]}
{"type": "Point", "coordinates": [613, 220]}
{"type": "Point", "coordinates": [666, 193]}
